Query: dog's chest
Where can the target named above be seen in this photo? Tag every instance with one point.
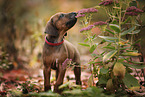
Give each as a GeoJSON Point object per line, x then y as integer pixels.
{"type": "Point", "coordinates": [59, 56]}
{"type": "Point", "coordinates": [55, 55]}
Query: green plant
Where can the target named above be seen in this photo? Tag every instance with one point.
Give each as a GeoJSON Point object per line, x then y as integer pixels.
{"type": "Point", "coordinates": [113, 64]}
{"type": "Point", "coordinates": [28, 87]}
{"type": "Point", "coordinates": [5, 62]}
{"type": "Point", "coordinates": [89, 92]}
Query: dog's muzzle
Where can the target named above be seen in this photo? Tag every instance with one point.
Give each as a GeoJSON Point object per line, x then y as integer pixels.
{"type": "Point", "coordinates": [72, 21]}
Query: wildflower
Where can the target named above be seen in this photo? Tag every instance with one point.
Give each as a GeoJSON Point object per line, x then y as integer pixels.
{"type": "Point", "coordinates": [132, 8]}
{"type": "Point", "coordinates": [82, 12]}
{"type": "Point", "coordinates": [88, 10]}
{"type": "Point", "coordinates": [92, 10]}
{"type": "Point", "coordinates": [100, 23]}
{"type": "Point", "coordinates": [131, 13]}
{"type": "Point", "coordinates": [65, 63]}
{"type": "Point", "coordinates": [138, 10]}
{"type": "Point", "coordinates": [107, 2]}
{"type": "Point", "coordinates": [80, 15]}
{"type": "Point", "coordinates": [87, 28]}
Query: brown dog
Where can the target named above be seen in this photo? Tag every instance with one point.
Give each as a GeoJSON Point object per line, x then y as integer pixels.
{"type": "Point", "coordinates": [56, 50]}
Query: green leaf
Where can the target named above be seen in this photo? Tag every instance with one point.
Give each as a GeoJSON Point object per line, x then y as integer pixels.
{"type": "Point", "coordinates": [44, 94]}
{"type": "Point", "coordinates": [108, 38]}
{"type": "Point", "coordinates": [124, 48]}
{"type": "Point", "coordinates": [114, 22]}
{"type": "Point", "coordinates": [137, 25]}
{"type": "Point", "coordinates": [130, 81]}
{"type": "Point", "coordinates": [131, 50]}
{"type": "Point", "coordinates": [109, 55]}
{"type": "Point", "coordinates": [90, 81]}
{"type": "Point", "coordinates": [93, 48]}
{"type": "Point", "coordinates": [109, 47]}
{"type": "Point", "coordinates": [130, 54]}
{"type": "Point", "coordinates": [115, 28]}
{"type": "Point", "coordinates": [64, 85]}
{"type": "Point", "coordinates": [128, 19]}
{"type": "Point", "coordinates": [110, 41]}
{"type": "Point", "coordinates": [93, 36]}
{"type": "Point", "coordinates": [83, 44]}
{"type": "Point", "coordinates": [127, 31]}
{"type": "Point", "coordinates": [77, 92]}
{"type": "Point", "coordinates": [109, 31]}
{"type": "Point", "coordinates": [135, 32]}
{"type": "Point", "coordinates": [86, 40]}
{"type": "Point", "coordinates": [103, 70]}
{"type": "Point", "coordinates": [134, 66]}
{"type": "Point", "coordinates": [92, 62]}
{"type": "Point", "coordinates": [136, 62]}
{"type": "Point", "coordinates": [103, 80]}
{"type": "Point", "coordinates": [136, 42]}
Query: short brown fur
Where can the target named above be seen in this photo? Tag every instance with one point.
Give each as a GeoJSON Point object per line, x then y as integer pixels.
{"type": "Point", "coordinates": [54, 56]}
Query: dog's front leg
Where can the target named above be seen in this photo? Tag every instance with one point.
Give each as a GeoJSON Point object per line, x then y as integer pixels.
{"type": "Point", "coordinates": [77, 72]}
{"type": "Point", "coordinates": [59, 80]}
{"type": "Point", "coordinates": [47, 73]}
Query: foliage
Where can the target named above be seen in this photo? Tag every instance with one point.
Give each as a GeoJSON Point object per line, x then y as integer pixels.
{"type": "Point", "coordinates": [27, 87]}
{"type": "Point", "coordinates": [44, 94]}
{"type": "Point", "coordinates": [89, 92]}
{"type": "Point", "coordinates": [112, 64]}
{"type": "Point", "coordinates": [22, 88]}
{"type": "Point", "coordinates": [5, 62]}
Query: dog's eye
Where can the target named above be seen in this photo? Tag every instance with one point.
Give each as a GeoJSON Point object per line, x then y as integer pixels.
{"type": "Point", "coordinates": [62, 15]}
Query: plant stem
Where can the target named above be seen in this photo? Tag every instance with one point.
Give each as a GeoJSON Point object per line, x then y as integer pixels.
{"type": "Point", "coordinates": [119, 34]}
{"type": "Point", "coordinates": [132, 24]}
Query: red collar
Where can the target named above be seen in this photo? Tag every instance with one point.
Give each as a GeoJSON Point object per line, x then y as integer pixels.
{"type": "Point", "coordinates": [53, 44]}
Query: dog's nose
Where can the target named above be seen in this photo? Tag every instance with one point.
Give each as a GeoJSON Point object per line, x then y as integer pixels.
{"type": "Point", "coordinates": [73, 13]}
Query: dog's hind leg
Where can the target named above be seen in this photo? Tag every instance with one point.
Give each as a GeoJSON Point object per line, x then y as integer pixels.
{"type": "Point", "coordinates": [77, 72]}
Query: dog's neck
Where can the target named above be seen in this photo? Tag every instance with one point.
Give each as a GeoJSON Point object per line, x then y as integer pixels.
{"type": "Point", "coordinates": [53, 44]}
{"type": "Point", "coordinates": [53, 39]}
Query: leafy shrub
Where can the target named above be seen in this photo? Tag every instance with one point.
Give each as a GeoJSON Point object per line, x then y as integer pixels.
{"type": "Point", "coordinates": [113, 64]}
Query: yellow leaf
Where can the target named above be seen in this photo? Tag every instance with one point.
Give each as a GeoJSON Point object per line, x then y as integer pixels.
{"type": "Point", "coordinates": [131, 54]}
{"type": "Point", "coordinates": [109, 85]}
{"type": "Point", "coordinates": [90, 81]}
{"type": "Point", "coordinates": [119, 70]}
{"type": "Point", "coordinates": [109, 55]}
{"type": "Point", "coordinates": [135, 88]}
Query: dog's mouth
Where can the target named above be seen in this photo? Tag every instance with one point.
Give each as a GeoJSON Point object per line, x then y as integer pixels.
{"type": "Point", "coordinates": [72, 20]}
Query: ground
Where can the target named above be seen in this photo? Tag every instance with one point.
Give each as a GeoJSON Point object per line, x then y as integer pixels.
{"type": "Point", "coordinates": [25, 78]}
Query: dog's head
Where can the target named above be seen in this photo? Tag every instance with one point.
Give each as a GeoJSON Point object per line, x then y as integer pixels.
{"type": "Point", "coordinates": [60, 23]}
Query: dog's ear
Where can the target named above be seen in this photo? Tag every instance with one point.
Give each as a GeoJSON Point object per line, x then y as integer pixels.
{"type": "Point", "coordinates": [51, 29]}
